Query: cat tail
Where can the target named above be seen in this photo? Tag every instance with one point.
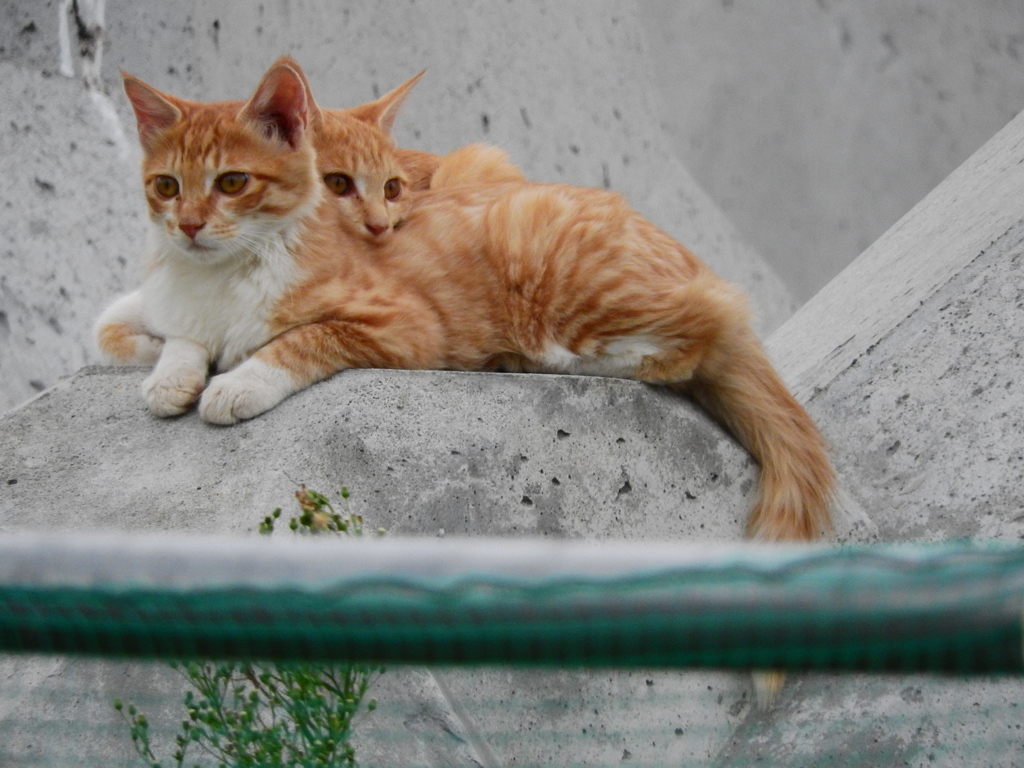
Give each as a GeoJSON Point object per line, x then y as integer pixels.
{"type": "Point", "coordinates": [737, 384]}
{"type": "Point", "coordinates": [475, 164]}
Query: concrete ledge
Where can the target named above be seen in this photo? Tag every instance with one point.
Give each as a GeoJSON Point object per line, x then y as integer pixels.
{"type": "Point", "coordinates": [422, 452]}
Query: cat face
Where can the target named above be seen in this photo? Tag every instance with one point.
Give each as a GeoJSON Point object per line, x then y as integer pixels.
{"type": "Point", "coordinates": [358, 162]}
{"type": "Point", "coordinates": [362, 176]}
{"type": "Point", "coordinates": [226, 179]}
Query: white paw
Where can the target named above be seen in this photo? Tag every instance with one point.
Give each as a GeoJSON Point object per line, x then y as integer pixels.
{"type": "Point", "coordinates": [249, 390]}
{"type": "Point", "coordinates": [173, 393]}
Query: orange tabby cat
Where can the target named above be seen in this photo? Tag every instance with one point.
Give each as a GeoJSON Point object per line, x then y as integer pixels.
{"type": "Point", "coordinates": [122, 336]}
{"type": "Point", "coordinates": [264, 265]}
{"type": "Point", "coordinates": [121, 331]}
{"type": "Point", "coordinates": [571, 280]}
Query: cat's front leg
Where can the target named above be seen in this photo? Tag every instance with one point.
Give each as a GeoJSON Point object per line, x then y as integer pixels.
{"type": "Point", "coordinates": [178, 378]}
{"type": "Point", "coordinates": [247, 391]}
{"type": "Point", "coordinates": [311, 352]}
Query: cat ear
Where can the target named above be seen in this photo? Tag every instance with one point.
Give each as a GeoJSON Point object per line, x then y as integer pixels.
{"type": "Point", "coordinates": [279, 107]}
{"type": "Point", "coordinates": [154, 111]}
{"type": "Point", "coordinates": [313, 110]}
{"type": "Point", "coordinates": [384, 110]}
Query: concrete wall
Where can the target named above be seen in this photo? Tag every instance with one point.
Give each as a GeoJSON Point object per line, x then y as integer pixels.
{"type": "Point", "coordinates": [816, 125]}
{"type": "Point", "coordinates": [564, 87]}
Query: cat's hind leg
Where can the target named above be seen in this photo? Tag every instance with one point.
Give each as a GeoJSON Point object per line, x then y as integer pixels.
{"type": "Point", "coordinates": [121, 333]}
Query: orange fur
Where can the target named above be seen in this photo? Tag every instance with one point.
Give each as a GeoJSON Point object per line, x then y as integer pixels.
{"type": "Point", "coordinates": [481, 275]}
{"type": "Point", "coordinates": [419, 166]}
{"type": "Point", "coordinates": [372, 164]}
{"type": "Point", "coordinates": [578, 270]}
{"type": "Point", "coordinates": [192, 141]}
{"type": "Point", "coordinates": [474, 164]}
{"type": "Point", "coordinates": [128, 342]}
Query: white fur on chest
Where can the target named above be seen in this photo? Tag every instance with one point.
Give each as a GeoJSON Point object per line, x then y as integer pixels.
{"type": "Point", "coordinates": [224, 306]}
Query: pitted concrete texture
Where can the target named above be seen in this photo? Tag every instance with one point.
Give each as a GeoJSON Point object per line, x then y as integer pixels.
{"type": "Point", "coordinates": [422, 453]}
{"type": "Point", "coordinates": [926, 403]}
{"type": "Point", "coordinates": [563, 87]}
{"type": "Point", "coordinates": [68, 217]}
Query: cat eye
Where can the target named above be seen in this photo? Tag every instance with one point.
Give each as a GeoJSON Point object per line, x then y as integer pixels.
{"type": "Point", "coordinates": [232, 183]}
{"type": "Point", "coordinates": [392, 188]}
{"type": "Point", "coordinates": [339, 183]}
{"type": "Point", "coordinates": [166, 186]}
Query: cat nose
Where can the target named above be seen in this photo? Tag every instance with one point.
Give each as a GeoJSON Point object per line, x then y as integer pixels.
{"type": "Point", "coordinates": [191, 229]}
{"type": "Point", "coordinates": [378, 229]}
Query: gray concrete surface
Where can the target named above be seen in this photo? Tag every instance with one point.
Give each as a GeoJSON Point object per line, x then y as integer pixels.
{"type": "Point", "coordinates": [563, 87]}
{"type": "Point", "coordinates": [817, 125]}
{"type": "Point", "coordinates": [423, 453]}
{"type": "Point", "coordinates": [70, 223]}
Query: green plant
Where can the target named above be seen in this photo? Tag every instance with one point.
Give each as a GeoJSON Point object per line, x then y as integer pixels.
{"type": "Point", "coordinates": [249, 715]}
{"type": "Point", "coordinates": [316, 515]}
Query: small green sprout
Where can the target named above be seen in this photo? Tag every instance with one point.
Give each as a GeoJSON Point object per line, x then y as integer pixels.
{"type": "Point", "coordinates": [249, 715]}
